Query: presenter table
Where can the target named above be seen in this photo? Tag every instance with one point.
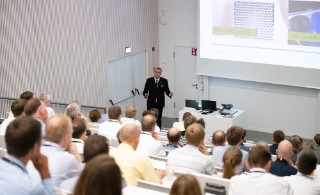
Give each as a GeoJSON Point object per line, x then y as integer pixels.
{"type": "Point", "coordinates": [215, 121]}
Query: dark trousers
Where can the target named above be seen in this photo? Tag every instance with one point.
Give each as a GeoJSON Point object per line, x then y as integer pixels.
{"type": "Point", "coordinates": [160, 109]}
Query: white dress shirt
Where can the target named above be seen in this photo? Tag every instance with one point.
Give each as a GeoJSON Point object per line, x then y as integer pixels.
{"type": "Point", "coordinates": [62, 164]}
{"type": "Point", "coordinates": [148, 145]}
{"type": "Point", "coordinates": [133, 121]}
{"type": "Point", "coordinates": [51, 112]}
{"type": "Point", "coordinates": [303, 184]}
{"type": "Point", "coordinates": [79, 144]}
{"type": "Point", "coordinates": [258, 181]}
{"type": "Point", "coordinates": [5, 124]}
{"type": "Point", "coordinates": [109, 129]}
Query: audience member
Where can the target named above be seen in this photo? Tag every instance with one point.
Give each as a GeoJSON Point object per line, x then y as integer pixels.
{"type": "Point", "coordinates": [47, 100]}
{"type": "Point", "coordinates": [17, 108]}
{"type": "Point", "coordinates": [190, 119]}
{"type": "Point", "coordinates": [155, 113]}
{"type": "Point", "coordinates": [180, 125]}
{"type": "Point", "coordinates": [259, 181]}
{"type": "Point", "coordinates": [100, 176]}
{"type": "Point", "coordinates": [193, 157]}
{"type": "Point", "coordinates": [185, 184]}
{"type": "Point", "coordinates": [133, 165]}
{"type": "Point", "coordinates": [231, 162]}
{"type": "Point", "coordinates": [95, 145]}
{"type": "Point", "coordinates": [27, 95]}
{"type": "Point", "coordinates": [219, 142]}
{"type": "Point", "coordinates": [283, 166]}
{"type": "Point", "coordinates": [303, 182]}
{"type": "Point", "coordinates": [201, 122]}
{"type": "Point", "coordinates": [305, 145]}
{"type": "Point", "coordinates": [23, 140]}
{"type": "Point", "coordinates": [173, 136]}
{"type": "Point", "coordinates": [316, 146]}
{"type": "Point", "coordinates": [79, 135]}
{"type": "Point", "coordinates": [37, 110]}
{"type": "Point", "coordinates": [73, 110]}
{"type": "Point", "coordinates": [63, 157]}
{"type": "Point", "coordinates": [149, 143]}
{"type": "Point", "coordinates": [95, 116]}
{"type": "Point", "coordinates": [234, 136]}
{"type": "Point", "coordinates": [296, 142]}
{"type": "Point", "coordinates": [263, 144]}
{"type": "Point", "coordinates": [244, 140]}
{"type": "Point", "coordinates": [110, 128]}
{"type": "Point", "coordinates": [130, 116]}
{"type": "Point", "coordinates": [277, 137]}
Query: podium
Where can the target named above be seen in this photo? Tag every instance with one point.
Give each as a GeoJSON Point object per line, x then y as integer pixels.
{"type": "Point", "coordinates": [215, 121]}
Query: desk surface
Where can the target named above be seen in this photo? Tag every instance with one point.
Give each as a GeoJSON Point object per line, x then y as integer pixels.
{"type": "Point", "coordinates": [215, 121]}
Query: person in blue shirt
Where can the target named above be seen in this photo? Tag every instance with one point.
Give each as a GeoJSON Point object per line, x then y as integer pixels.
{"type": "Point", "coordinates": [23, 141]}
{"type": "Point", "coordinates": [173, 135]}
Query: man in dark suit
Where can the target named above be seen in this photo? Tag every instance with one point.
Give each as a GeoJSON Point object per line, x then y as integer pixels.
{"type": "Point", "coordinates": [154, 90]}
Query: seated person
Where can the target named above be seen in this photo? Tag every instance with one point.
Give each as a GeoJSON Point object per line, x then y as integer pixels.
{"type": "Point", "coordinates": [303, 182]}
{"type": "Point", "coordinates": [193, 157]}
{"type": "Point", "coordinates": [180, 125]}
{"type": "Point", "coordinates": [63, 157]}
{"type": "Point", "coordinates": [185, 184]}
{"type": "Point", "coordinates": [130, 116]}
{"type": "Point", "coordinates": [316, 146]}
{"type": "Point", "coordinates": [259, 181]}
{"type": "Point", "coordinates": [149, 143]}
{"type": "Point", "coordinates": [283, 166]}
{"type": "Point", "coordinates": [110, 128]}
{"type": "Point", "coordinates": [219, 148]}
{"type": "Point", "coordinates": [173, 135]}
{"type": "Point", "coordinates": [234, 136]}
{"type": "Point", "coordinates": [95, 116]}
{"type": "Point", "coordinates": [23, 139]}
{"type": "Point", "coordinates": [79, 135]}
{"type": "Point", "coordinates": [134, 165]}
{"type": "Point", "coordinates": [231, 162]}
{"type": "Point", "coordinates": [101, 176]}
{"type": "Point", "coordinates": [296, 142]}
{"type": "Point", "coordinates": [277, 137]}
{"type": "Point", "coordinates": [243, 140]}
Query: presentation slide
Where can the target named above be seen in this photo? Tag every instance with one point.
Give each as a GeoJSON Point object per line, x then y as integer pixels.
{"type": "Point", "coordinates": [276, 32]}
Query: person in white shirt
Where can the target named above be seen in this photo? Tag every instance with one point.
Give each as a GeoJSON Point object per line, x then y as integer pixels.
{"type": "Point", "coordinates": [259, 181]}
{"type": "Point", "coordinates": [63, 157]}
{"type": "Point", "coordinates": [17, 108]}
{"type": "Point", "coordinates": [79, 135]}
{"type": "Point", "coordinates": [130, 116]}
{"type": "Point", "coordinates": [26, 95]}
{"type": "Point", "coordinates": [219, 147]}
{"type": "Point", "coordinates": [47, 100]}
{"type": "Point", "coordinates": [73, 110]}
{"type": "Point", "coordinates": [303, 183]}
{"type": "Point", "coordinates": [110, 128]}
{"type": "Point", "coordinates": [149, 143]}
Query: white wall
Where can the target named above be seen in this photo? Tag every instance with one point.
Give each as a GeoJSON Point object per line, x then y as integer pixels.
{"type": "Point", "coordinates": [268, 106]}
{"type": "Point", "coordinates": [63, 47]}
{"type": "Point", "coordinates": [180, 30]}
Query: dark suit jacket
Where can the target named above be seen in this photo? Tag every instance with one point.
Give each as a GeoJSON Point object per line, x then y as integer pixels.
{"type": "Point", "coordinates": [156, 94]}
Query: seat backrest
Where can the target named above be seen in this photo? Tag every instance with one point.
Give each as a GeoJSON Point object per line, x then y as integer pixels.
{"type": "Point", "coordinates": [203, 179]}
{"type": "Point", "coordinates": [2, 142]}
{"type": "Point", "coordinates": [153, 186]}
{"type": "Point", "coordinates": [94, 131]}
{"type": "Point", "coordinates": [114, 142]}
{"type": "Point", "coordinates": [160, 158]}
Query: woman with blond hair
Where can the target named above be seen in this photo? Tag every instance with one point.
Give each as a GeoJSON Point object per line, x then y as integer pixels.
{"type": "Point", "coordinates": [231, 162]}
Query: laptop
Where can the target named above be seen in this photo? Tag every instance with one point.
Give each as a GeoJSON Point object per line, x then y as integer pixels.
{"type": "Point", "coordinates": [192, 104]}
{"type": "Point", "coordinates": [208, 106]}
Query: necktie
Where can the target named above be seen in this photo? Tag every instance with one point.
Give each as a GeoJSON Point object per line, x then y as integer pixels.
{"type": "Point", "coordinates": [157, 81]}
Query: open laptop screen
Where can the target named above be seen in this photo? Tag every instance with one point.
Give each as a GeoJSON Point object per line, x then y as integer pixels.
{"type": "Point", "coordinates": [193, 104]}
{"type": "Point", "coordinates": [209, 105]}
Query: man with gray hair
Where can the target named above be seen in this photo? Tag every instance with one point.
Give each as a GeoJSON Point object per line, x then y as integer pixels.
{"type": "Point", "coordinates": [47, 100]}
{"type": "Point", "coordinates": [73, 110]}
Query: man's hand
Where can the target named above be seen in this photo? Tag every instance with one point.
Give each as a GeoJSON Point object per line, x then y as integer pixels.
{"type": "Point", "coordinates": [146, 95]}
{"type": "Point", "coordinates": [41, 164]}
{"type": "Point", "coordinates": [170, 94]}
